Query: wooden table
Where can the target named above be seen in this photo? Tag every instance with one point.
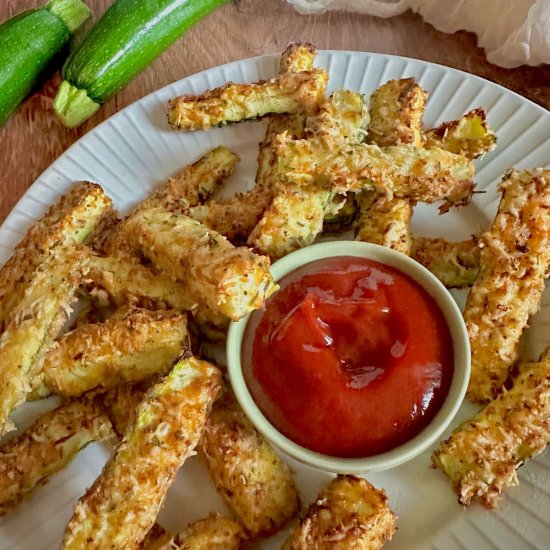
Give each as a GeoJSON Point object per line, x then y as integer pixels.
{"type": "Point", "coordinates": [33, 137]}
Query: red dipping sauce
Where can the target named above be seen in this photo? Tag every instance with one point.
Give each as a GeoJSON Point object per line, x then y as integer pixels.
{"type": "Point", "coordinates": [350, 358]}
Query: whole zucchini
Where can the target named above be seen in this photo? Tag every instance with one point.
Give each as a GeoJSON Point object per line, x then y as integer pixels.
{"type": "Point", "coordinates": [28, 44]}
{"type": "Point", "coordinates": [130, 35]}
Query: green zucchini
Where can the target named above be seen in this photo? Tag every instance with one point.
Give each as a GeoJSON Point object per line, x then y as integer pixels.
{"type": "Point", "coordinates": [129, 36]}
{"type": "Point", "coordinates": [28, 44]}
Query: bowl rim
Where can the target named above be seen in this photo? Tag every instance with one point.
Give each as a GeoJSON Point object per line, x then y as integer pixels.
{"type": "Point", "coordinates": [419, 443]}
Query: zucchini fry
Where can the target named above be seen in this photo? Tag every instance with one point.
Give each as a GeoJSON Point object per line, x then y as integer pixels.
{"type": "Point", "coordinates": [47, 446]}
{"type": "Point", "coordinates": [253, 482]}
{"type": "Point", "coordinates": [415, 174]}
{"type": "Point", "coordinates": [514, 260]}
{"type": "Point", "coordinates": [295, 217]}
{"type": "Point", "coordinates": [289, 92]}
{"type": "Point", "coordinates": [455, 264]}
{"type": "Point", "coordinates": [470, 135]}
{"type": "Point", "coordinates": [128, 347]}
{"type": "Point", "coordinates": [236, 217]}
{"type": "Point", "coordinates": [126, 281]}
{"type": "Point", "coordinates": [71, 219]}
{"type": "Point", "coordinates": [349, 513]}
{"type": "Point", "coordinates": [482, 455]}
{"type": "Point", "coordinates": [35, 322]}
{"type": "Point", "coordinates": [194, 183]}
{"type": "Point", "coordinates": [396, 114]}
{"type": "Point", "coordinates": [121, 506]}
{"type": "Point", "coordinates": [396, 111]}
{"type": "Point", "coordinates": [232, 281]}
{"type": "Point", "coordinates": [216, 532]}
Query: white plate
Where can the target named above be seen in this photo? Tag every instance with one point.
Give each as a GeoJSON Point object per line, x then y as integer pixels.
{"type": "Point", "coordinates": [135, 150]}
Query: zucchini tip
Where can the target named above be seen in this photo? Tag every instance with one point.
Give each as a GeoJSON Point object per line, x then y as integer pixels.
{"type": "Point", "coordinates": [73, 106]}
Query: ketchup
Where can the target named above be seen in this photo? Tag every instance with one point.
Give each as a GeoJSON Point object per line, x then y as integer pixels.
{"type": "Point", "coordinates": [350, 358]}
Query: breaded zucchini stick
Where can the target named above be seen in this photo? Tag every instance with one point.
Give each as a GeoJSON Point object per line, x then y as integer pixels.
{"type": "Point", "coordinates": [126, 281]}
{"type": "Point", "coordinates": [236, 217]}
{"type": "Point", "coordinates": [253, 482]}
{"type": "Point", "coordinates": [194, 183]}
{"type": "Point", "coordinates": [482, 455]}
{"type": "Point", "coordinates": [35, 322]}
{"type": "Point", "coordinates": [514, 260]}
{"type": "Point", "coordinates": [229, 280]}
{"type": "Point", "coordinates": [216, 532]}
{"type": "Point", "coordinates": [417, 174]}
{"type": "Point", "coordinates": [470, 135]}
{"type": "Point", "coordinates": [348, 514]}
{"type": "Point", "coordinates": [396, 113]}
{"type": "Point", "coordinates": [47, 446]}
{"type": "Point", "coordinates": [71, 219]}
{"type": "Point", "coordinates": [455, 264]}
{"type": "Point", "coordinates": [128, 347]}
{"type": "Point", "coordinates": [297, 212]}
{"type": "Point", "coordinates": [121, 506]}
{"type": "Point", "coordinates": [289, 92]}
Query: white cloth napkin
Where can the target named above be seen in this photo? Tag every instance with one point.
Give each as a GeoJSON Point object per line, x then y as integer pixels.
{"type": "Point", "coordinates": [513, 32]}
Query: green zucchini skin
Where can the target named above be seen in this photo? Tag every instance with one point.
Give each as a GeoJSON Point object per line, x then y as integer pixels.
{"type": "Point", "coordinates": [28, 43]}
{"type": "Point", "coordinates": [129, 36]}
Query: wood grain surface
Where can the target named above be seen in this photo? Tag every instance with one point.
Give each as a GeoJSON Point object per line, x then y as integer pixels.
{"type": "Point", "coordinates": [33, 137]}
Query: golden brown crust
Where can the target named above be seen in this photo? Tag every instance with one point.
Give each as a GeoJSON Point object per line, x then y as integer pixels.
{"type": "Point", "coordinates": [121, 279]}
{"type": "Point", "coordinates": [289, 92]}
{"type": "Point", "coordinates": [298, 57]}
{"type": "Point", "coordinates": [483, 454]}
{"type": "Point", "coordinates": [349, 514]}
{"type": "Point", "coordinates": [232, 281]}
{"type": "Point", "coordinates": [47, 446]}
{"type": "Point", "coordinates": [253, 482]}
{"type": "Point", "coordinates": [396, 111]}
{"type": "Point", "coordinates": [121, 506]}
{"type": "Point", "coordinates": [71, 219]}
{"type": "Point", "coordinates": [455, 264]}
{"type": "Point", "coordinates": [194, 183]}
{"type": "Point", "coordinates": [514, 260]}
{"type": "Point", "coordinates": [128, 347]}
{"type": "Point", "coordinates": [35, 322]}
{"type": "Point", "coordinates": [216, 532]}
{"type": "Point", "coordinates": [416, 174]}
{"type": "Point", "coordinates": [470, 135]}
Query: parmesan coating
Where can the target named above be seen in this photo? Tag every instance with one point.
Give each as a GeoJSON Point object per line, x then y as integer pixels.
{"type": "Point", "coordinates": [296, 214]}
{"type": "Point", "coordinates": [194, 183]}
{"type": "Point", "coordinates": [349, 514]}
{"type": "Point", "coordinates": [455, 264]}
{"type": "Point", "coordinates": [121, 506]}
{"type": "Point", "coordinates": [416, 174]}
{"type": "Point", "coordinates": [236, 217]}
{"type": "Point", "coordinates": [396, 113]}
{"type": "Point", "coordinates": [482, 455]}
{"type": "Point", "coordinates": [71, 219]}
{"type": "Point", "coordinates": [384, 221]}
{"type": "Point", "coordinates": [229, 280]}
{"type": "Point", "coordinates": [216, 532]}
{"type": "Point", "coordinates": [470, 135]}
{"type": "Point", "coordinates": [35, 322]}
{"type": "Point", "coordinates": [289, 92]}
{"type": "Point", "coordinates": [253, 482]}
{"type": "Point", "coordinates": [47, 446]}
{"type": "Point", "coordinates": [128, 347]}
{"type": "Point", "coordinates": [126, 281]}
{"type": "Point", "coordinates": [514, 260]}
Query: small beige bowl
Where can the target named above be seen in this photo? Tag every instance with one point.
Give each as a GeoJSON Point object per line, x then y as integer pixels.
{"type": "Point", "coordinates": [432, 432]}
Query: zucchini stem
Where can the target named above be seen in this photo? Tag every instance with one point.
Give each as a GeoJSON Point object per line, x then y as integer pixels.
{"type": "Point", "coordinates": [73, 106]}
{"type": "Point", "coordinates": [72, 12]}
